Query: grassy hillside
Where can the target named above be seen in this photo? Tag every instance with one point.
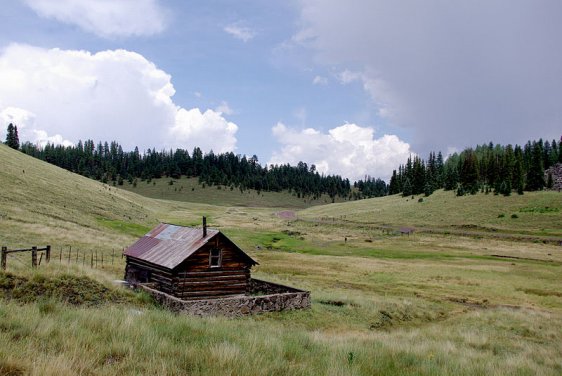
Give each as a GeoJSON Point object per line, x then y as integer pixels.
{"type": "Point", "coordinates": [189, 190]}
{"type": "Point", "coordinates": [432, 303]}
{"type": "Point", "coordinates": [534, 213]}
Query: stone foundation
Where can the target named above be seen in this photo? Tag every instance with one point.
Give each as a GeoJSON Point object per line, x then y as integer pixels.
{"type": "Point", "coordinates": [273, 297]}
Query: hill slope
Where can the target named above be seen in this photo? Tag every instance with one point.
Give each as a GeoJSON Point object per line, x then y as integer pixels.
{"type": "Point", "coordinates": [41, 203]}
{"type": "Point", "coordinates": [534, 213]}
{"type": "Point", "coordinates": [189, 190]}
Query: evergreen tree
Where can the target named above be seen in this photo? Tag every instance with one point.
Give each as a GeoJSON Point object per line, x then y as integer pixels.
{"type": "Point", "coordinates": [16, 143]}
{"type": "Point", "coordinates": [440, 177]}
{"type": "Point", "coordinates": [428, 190]}
{"type": "Point", "coordinates": [407, 188]}
{"type": "Point", "coordinates": [12, 138]}
{"type": "Point", "coordinates": [469, 172]}
{"type": "Point", "coordinates": [393, 187]}
{"type": "Point", "coordinates": [535, 173]}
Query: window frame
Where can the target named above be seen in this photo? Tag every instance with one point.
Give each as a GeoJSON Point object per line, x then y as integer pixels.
{"type": "Point", "coordinates": [218, 258]}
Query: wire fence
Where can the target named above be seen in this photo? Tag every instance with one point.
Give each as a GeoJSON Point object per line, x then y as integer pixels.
{"type": "Point", "coordinates": [64, 254]}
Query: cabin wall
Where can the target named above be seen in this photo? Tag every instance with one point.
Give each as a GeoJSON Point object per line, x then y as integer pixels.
{"type": "Point", "coordinates": [140, 271]}
{"type": "Point", "coordinates": [195, 279]}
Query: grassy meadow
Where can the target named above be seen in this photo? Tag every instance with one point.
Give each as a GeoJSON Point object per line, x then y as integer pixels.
{"type": "Point", "coordinates": [441, 301]}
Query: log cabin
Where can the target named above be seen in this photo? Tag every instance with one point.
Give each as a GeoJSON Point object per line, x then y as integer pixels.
{"type": "Point", "coordinates": [189, 263]}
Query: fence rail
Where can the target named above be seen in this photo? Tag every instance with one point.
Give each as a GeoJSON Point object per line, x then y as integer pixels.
{"type": "Point", "coordinates": [33, 250]}
{"type": "Point", "coordinates": [92, 258]}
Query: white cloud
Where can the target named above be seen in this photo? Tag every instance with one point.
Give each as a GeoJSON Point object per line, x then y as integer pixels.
{"type": "Point", "coordinates": [42, 138]}
{"type": "Point", "coordinates": [319, 80]}
{"type": "Point", "coordinates": [455, 74]}
{"type": "Point", "coordinates": [25, 121]}
{"type": "Point", "coordinates": [224, 108]}
{"type": "Point", "coordinates": [105, 18]}
{"type": "Point", "coordinates": [347, 77]}
{"type": "Point", "coordinates": [19, 116]}
{"type": "Point", "coordinates": [349, 150]}
{"type": "Point", "coordinates": [243, 33]}
{"type": "Point", "coordinates": [208, 130]}
{"type": "Point", "coordinates": [109, 95]}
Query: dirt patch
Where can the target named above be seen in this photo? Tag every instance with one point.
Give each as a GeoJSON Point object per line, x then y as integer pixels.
{"type": "Point", "coordinates": [287, 214]}
{"type": "Point", "coordinates": [470, 302]}
{"type": "Point", "coordinates": [540, 292]}
{"type": "Point", "coordinates": [521, 258]}
{"type": "Point", "coordinates": [337, 303]}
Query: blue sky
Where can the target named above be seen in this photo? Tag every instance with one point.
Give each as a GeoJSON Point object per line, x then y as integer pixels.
{"type": "Point", "coordinates": [353, 87]}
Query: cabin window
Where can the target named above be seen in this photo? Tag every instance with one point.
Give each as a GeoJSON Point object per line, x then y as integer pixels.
{"type": "Point", "coordinates": [215, 258]}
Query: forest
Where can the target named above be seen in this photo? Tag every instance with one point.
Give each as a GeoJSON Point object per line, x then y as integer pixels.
{"type": "Point", "coordinates": [108, 162]}
{"type": "Point", "coordinates": [486, 168]}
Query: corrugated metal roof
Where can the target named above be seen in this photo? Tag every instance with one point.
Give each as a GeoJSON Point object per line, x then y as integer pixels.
{"type": "Point", "coordinates": [169, 245]}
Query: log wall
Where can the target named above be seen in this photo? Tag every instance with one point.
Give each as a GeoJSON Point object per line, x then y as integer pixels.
{"type": "Point", "coordinates": [195, 278]}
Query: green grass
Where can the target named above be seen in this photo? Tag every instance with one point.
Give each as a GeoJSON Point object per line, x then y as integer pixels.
{"type": "Point", "coordinates": [538, 212]}
{"type": "Point", "coordinates": [432, 303]}
{"type": "Point", "coordinates": [129, 228]}
{"type": "Point", "coordinates": [190, 190]}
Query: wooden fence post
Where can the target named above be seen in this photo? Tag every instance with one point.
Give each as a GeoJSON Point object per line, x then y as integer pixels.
{"type": "Point", "coordinates": [3, 262]}
{"type": "Point", "coordinates": [48, 254]}
{"type": "Point", "coordinates": [34, 256]}
{"type": "Point", "coordinates": [69, 252]}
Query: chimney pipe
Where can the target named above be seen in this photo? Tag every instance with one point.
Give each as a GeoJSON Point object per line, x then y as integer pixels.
{"type": "Point", "coordinates": [204, 227]}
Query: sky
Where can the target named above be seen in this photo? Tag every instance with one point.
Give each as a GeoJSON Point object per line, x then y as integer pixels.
{"type": "Point", "coordinates": [353, 87]}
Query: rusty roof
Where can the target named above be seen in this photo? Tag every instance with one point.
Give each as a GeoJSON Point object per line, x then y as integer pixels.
{"type": "Point", "coordinates": [169, 245]}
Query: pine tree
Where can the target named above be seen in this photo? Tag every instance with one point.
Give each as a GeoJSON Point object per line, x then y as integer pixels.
{"type": "Point", "coordinates": [469, 172]}
{"type": "Point", "coordinates": [407, 188]}
{"type": "Point", "coordinates": [535, 173]}
{"type": "Point", "coordinates": [428, 190]}
{"type": "Point", "coordinates": [16, 142]}
{"type": "Point", "coordinates": [10, 135]}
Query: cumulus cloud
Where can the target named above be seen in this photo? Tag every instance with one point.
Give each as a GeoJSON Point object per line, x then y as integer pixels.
{"type": "Point", "coordinates": [242, 33]}
{"type": "Point", "coordinates": [25, 121]}
{"type": "Point", "coordinates": [457, 74]}
{"type": "Point", "coordinates": [349, 150]}
{"type": "Point", "coordinates": [208, 130]}
{"type": "Point", "coordinates": [105, 18]}
{"type": "Point", "coordinates": [66, 95]}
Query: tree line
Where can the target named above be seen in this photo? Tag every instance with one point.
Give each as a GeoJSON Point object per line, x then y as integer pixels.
{"type": "Point", "coordinates": [486, 168]}
{"type": "Point", "coordinates": [108, 162]}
